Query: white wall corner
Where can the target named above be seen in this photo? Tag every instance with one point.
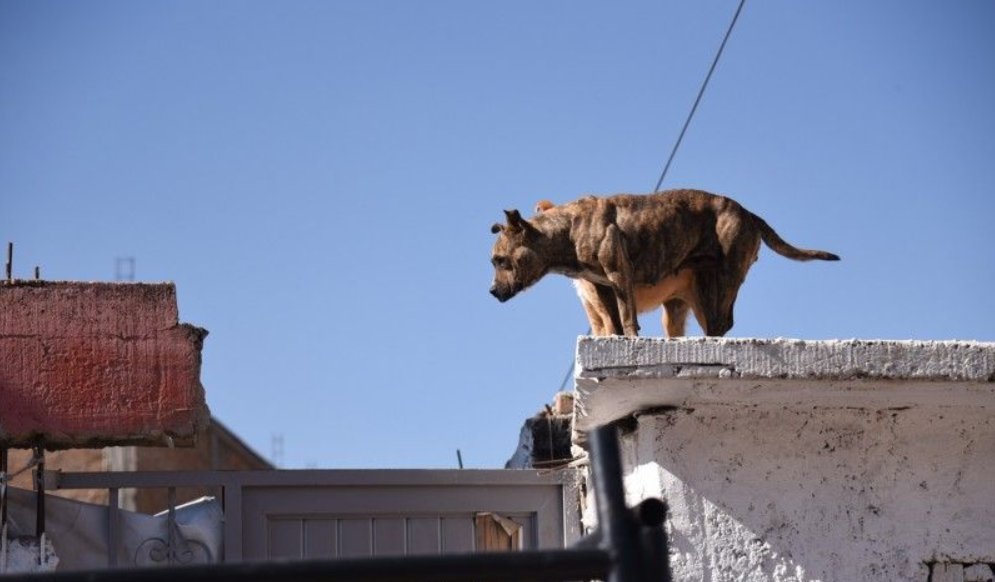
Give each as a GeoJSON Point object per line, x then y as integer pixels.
{"type": "Point", "coordinates": [776, 474]}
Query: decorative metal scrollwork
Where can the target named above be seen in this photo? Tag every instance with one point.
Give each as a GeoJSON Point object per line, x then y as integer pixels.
{"type": "Point", "coordinates": [175, 550]}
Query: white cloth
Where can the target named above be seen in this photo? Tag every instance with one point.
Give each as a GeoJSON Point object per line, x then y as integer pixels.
{"type": "Point", "coordinates": [78, 532]}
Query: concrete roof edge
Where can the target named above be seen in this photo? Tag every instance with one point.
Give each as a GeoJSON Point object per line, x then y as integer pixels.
{"type": "Point", "coordinates": [783, 358]}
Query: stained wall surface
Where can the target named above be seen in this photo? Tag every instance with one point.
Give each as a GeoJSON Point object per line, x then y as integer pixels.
{"type": "Point", "coordinates": [95, 364]}
{"type": "Point", "coordinates": [777, 468]}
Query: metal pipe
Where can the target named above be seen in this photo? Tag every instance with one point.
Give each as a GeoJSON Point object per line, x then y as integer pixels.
{"type": "Point", "coordinates": [3, 486]}
{"type": "Point", "coordinates": [526, 566]}
{"type": "Point", "coordinates": [171, 524]}
{"type": "Point", "coordinates": [113, 526]}
{"type": "Point", "coordinates": [40, 491]}
{"type": "Point", "coordinates": [619, 528]}
{"type": "Point", "coordinates": [656, 554]}
{"type": "Point", "coordinates": [10, 262]}
{"type": "Point", "coordinates": [650, 513]}
{"type": "Point", "coordinates": [40, 511]}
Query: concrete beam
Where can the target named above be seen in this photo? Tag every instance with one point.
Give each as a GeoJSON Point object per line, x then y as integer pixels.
{"type": "Point", "coordinates": [617, 377]}
{"type": "Point", "coordinates": [97, 364]}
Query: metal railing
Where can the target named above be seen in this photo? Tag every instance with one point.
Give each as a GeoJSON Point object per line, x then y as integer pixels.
{"type": "Point", "coordinates": [629, 545]}
{"type": "Point", "coordinates": [165, 550]}
{"type": "Point", "coordinates": [550, 500]}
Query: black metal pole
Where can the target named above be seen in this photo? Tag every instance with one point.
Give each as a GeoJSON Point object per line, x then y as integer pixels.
{"type": "Point", "coordinates": [656, 554]}
{"type": "Point", "coordinates": [528, 566]}
{"type": "Point", "coordinates": [618, 527]}
{"type": "Point", "coordinates": [40, 491]}
{"type": "Point", "coordinates": [3, 486]}
{"type": "Point", "coordinates": [651, 515]}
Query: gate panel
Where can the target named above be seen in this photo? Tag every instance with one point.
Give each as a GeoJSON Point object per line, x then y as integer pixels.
{"type": "Point", "coordinates": [283, 537]}
{"type": "Point", "coordinates": [355, 538]}
{"type": "Point", "coordinates": [424, 535]}
{"type": "Point", "coordinates": [320, 538]}
{"type": "Point", "coordinates": [457, 535]}
{"type": "Point", "coordinates": [389, 536]}
{"type": "Point", "coordinates": [327, 514]}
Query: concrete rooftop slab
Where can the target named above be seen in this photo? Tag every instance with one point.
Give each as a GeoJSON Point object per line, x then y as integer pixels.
{"type": "Point", "coordinates": [617, 377]}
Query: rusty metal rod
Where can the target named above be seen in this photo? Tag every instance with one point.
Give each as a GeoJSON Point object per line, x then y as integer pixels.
{"type": "Point", "coordinates": [40, 491]}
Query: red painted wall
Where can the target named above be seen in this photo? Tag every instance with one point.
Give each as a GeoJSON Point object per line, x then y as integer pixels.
{"type": "Point", "coordinates": [96, 364]}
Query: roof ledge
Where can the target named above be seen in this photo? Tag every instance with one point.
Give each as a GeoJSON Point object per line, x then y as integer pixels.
{"type": "Point", "coordinates": [618, 377]}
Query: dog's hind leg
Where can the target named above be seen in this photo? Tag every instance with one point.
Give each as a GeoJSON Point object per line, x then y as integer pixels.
{"type": "Point", "coordinates": [675, 315]}
{"type": "Point", "coordinates": [714, 315]}
{"type": "Point", "coordinates": [718, 288]}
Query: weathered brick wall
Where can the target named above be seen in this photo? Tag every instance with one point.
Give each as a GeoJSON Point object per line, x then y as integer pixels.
{"type": "Point", "coordinates": [96, 364]}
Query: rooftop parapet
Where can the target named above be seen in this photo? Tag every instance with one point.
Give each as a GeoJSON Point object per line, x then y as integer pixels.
{"type": "Point", "coordinates": [617, 377]}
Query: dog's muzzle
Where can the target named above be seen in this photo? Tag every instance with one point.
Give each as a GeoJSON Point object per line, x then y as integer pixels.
{"type": "Point", "coordinates": [503, 293]}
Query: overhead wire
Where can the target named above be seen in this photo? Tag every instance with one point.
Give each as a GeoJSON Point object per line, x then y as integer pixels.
{"type": "Point", "coordinates": [701, 92]}
{"type": "Point", "coordinates": [680, 137]}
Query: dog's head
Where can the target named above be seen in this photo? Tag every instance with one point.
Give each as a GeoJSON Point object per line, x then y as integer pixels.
{"type": "Point", "coordinates": [517, 264]}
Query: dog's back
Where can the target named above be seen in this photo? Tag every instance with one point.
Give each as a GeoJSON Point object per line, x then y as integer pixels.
{"type": "Point", "coordinates": [688, 248]}
{"type": "Point", "coordinates": [695, 224]}
{"type": "Point", "coordinates": [663, 231]}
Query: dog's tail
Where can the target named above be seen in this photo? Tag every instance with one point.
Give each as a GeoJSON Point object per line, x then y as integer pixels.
{"type": "Point", "coordinates": [779, 246]}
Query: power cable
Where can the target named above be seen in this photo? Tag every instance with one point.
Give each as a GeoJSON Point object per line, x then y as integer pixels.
{"type": "Point", "coordinates": [701, 92]}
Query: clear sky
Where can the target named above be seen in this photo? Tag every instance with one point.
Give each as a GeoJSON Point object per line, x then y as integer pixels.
{"type": "Point", "coordinates": [319, 179]}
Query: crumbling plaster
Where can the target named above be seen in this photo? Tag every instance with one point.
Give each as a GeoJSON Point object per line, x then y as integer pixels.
{"type": "Point", "coordinates": [870, 474]}
{"type": "Point", "coordinates": [97, 364]}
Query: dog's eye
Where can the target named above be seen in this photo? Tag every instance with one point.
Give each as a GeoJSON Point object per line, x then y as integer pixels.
{"type": "Point", "coordinates": [501, 262]}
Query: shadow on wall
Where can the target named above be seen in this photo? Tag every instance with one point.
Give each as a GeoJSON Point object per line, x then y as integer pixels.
{"type": "Point", "coordinates": [822, 494]}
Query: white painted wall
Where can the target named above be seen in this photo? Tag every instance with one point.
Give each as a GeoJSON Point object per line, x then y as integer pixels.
{"type": "Point", "coordinates": [854, 477]}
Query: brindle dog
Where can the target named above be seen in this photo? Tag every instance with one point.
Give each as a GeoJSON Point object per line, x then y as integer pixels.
{"type": "Point", "coordinates": [684, 249]}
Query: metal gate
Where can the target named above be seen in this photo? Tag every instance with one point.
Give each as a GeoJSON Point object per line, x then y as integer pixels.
{"type": "Point", "coordinates": [629, 545]}
{"type": "Point", "coordinates": [377, 513]}
{"type": "Point", "coordinates": [355, 513]}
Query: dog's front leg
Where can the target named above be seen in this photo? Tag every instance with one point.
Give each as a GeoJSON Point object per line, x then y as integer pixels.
{"type": "Point", "coordinates": [615, 262]}
{"type": "Point", "coordinates": [599, 304]}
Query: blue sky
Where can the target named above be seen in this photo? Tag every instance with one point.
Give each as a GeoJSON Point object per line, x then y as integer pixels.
{"type": "Point", "coordinates": [319, 179]}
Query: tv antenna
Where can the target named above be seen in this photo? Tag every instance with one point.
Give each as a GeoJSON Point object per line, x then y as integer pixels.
{"type": "Point", "coordinates": [124, 269]}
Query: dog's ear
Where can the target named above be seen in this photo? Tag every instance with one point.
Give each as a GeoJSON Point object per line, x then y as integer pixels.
{"type": "Point", "coordinates": [496, 228]}
{"type": "Point", "coordinates": [515, 220]}
{"type": "Point", "coordinates": [543, 206]}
